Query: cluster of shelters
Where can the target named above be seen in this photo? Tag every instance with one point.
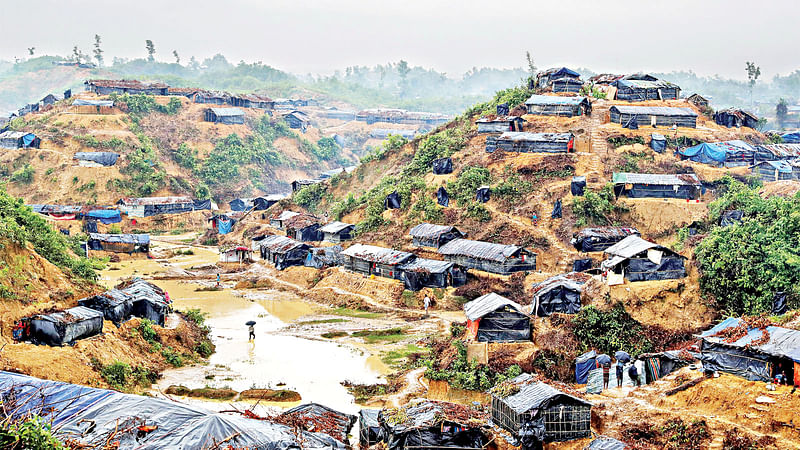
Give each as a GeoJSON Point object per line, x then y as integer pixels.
{"type": "Point", "coordinates": [648, 185]}
{"type": "Point", "coordinates": [106, 215]}
{"type": "Point", "coordinates": [527, 142]}
{"type": "Point", "coordinates": [132, 87]}
{"type": "Point", "coordinates": [733, 153]}
{"type": "Point", "coordinates": [151, 206]}
{"type": "Point", "coordinates": [551, 105]}
{"type": "Point", "coordinates": [45, 103]}
{"type": "Point", "coordinates": [135, 298]}
{"type": "Point", "coordinates": [393, 115]}
{"type": "Point", "coordinates": [559, 79]}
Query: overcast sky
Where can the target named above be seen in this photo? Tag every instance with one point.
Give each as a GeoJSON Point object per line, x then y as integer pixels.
{"type": "Point", "coordinates": [707, 36]}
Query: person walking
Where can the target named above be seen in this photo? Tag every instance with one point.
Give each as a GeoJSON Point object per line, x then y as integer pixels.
{"type": "Point", "coordinates": [620, 373]}
{"type": "Point", "coordinates": [252, 330]}
{"type": "Point", "coordinates": [427, 303]}
{"type": "Point", "coordinates": [633, 372]}
{"type": "Point", "coordinates": [606, 374]}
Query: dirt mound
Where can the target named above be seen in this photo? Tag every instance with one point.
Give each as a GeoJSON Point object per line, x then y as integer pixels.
{"type": "Point", "coordinates": [786, 188]}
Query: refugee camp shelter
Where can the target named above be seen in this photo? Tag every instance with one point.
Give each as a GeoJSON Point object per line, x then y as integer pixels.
{"type": "Point", "coordinates": [494, 318]}
{"type": "Point", "coordinates": [96, 159]}
{"type": "Point", "coordinates": [303, 227]}
{"type": "Point", "coordinates": [644, 185]}
{"type": "Point", "coordinates": [236, 254]}
{"type": "Point", "coordinates": [551, 105]}
{"type": "Point", "coordinates": [428, 424]}
{"type": "Point", "coordinates": [499, 124]}
{"type": "Point", "coordinates": [252, 101]}
{"type": "Point", "coordinates": [584, 364]}
{"type": "Point", "coordinates": [432, 235]}
{"type": "Point", "coordinates": [370, 431]}
{"type": "Point", "coordinates": [369, 260]}
{"type": "Point", "coordinates": [640, 88]}
{"type": "Point", "coordinates": [18, 139]}
{"type": "Point", "coordinates": [86, 106]}
{"type": "Point", "coordinates": [559, 294]}
{"type": "Point", "coordinates": [728, 153]}
{"type": "Point", "coordinates": [133, 87]}
{"type": "Point", "coordinates": [283, 251]}
{"type": "Point", "coordinates": [698, 101]}
{"type": "Point", "coordinates": [297, 120]}
{"type": "Point", "coordinates": [750, 356]}
{"type": "Point", "coordinates": [90, 415]}
{"type": "Point", "coordinates": [337, 232]}
{"type": "Point", "coordinates": [791, 138]}
{"type": "Point", "coordinates": [48, 99]}
{"type": "Point", "coordinates": [526, 142]}
{"type": "Point", "coordinates": [151, 206]}
{"type": "Point", "coordinates": [149, 301]}
{"type": "Point", "coordinates": [769, 152]}
{"type": "Point", "coordinates": [772, 170]}
{"type": "Point", "coordinates": [636, 259]}
{"type": "Point", "coordinates": [279, 220]}
{"type": "Point", "coordinates": [65, 327]}
{"type": "Point", "coordinates": [658, 365]}
{"type": "Point", "coordinates": [423, 272]}
{"type": "Point", "coordinates": [310, 415]}
{"type": "Point", "coordinates": [662, 116]}
{"type": "Point", "coordinates": [115, 305]}
{"type": "Point", "coordinates": [222, 223]}
{"type": "Point", "coordinates": [255, 203]}
{"type": "Point", "coordinates": [58, 212]}
{"type": "Point", "coordinates": [737, 118]}
{"type": "Point", "coordinates": [489, 257]}
{"type": "Point", "coordinates": [538, 413]}
{"type": "Point", "coordinates": [299, 184]}
{"type": "Point", "coordinates": [119, 243]}
{"type": "Point", "coordinates": [229, 116]}
{"type": "Point", "coordinates": [597, 239]}
{"type": "Point", "coordinates": [559, 79]}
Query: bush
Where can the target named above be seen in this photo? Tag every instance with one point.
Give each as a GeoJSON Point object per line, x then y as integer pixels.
{"type": "Point", "coordinates": [596, 208]}
{"type": "Point", "coordinates": [326, 149]}
{"type": "Point", "coordinates": [147, 331]}
{"type": "Point", "coordinates": [463, 188]}
{"type": "Point", "coordinates": [185, 156]}
{"type": "Point", "coordinates": [194, 314]}
{"type": "Point", "coordinates": [609, 331]}
{"type": "Point", "coordinates": [310, 196]}
{"type": "Point", "coordinates": [30, 433]}
{"type": "Point", "coordinates": [435, 146]}
{"type": "Point", "coordinates": [463, 374]}
{"type": "Point", "coordinates": [204, 348]}
{"type": "Point", "coordinates": [23, 175]}
{"type": "Point", "coordinates": [619, 141]}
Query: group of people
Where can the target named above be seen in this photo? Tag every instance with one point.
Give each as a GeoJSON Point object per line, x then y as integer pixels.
{"type": "Point", "coordinates": [633, 373]}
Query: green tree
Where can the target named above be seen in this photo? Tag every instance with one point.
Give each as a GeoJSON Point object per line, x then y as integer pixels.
{"type": "Point", "coordinates": [403, 70]}
{"type": "Point", "coordinates": [151, 50]}
{"type": "Point", "coordinates": [753, 72]}
{"type": "Point", "coordinates": [781, 111]}
{"type": "Point", "coordinates": [98, 52]}
{"type": "Point", "coordinates": [177, 58]}
{"type": "Point", "coordinates": [31, 50]}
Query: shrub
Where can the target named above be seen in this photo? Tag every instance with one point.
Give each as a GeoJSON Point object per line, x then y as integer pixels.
{"type": "Point", "coordinates": [310, 196]}
{"type": "Point", "coordinates": [147, 331]}
{"type": "Point", "coordinates": [619, 141]}
{"type": "Point", "coordinates": [326, 148]}
{"type": "Point", "coordinates": [609, 331]}
{"type": "Point", "coordinates": [29, 433]}
{"type": "Point", "coordinates": [204, 348]}
{"type": "Point", "coordinates": [463, 374]}
{"type": "Point", "coordinates": [194, 314]}
{"type": "Point", "coordinates": [435, 146]}
{"type": "Point", "coordinates": [185, 156]}
{"type": "Point", "coordinates": [463, 188]}
{"type": "Point", "coordinates": [596, 208]}
{"type": "Point", "coordinates": [23, 175]}
{"type": "Point", "coordinates": [117, 374]}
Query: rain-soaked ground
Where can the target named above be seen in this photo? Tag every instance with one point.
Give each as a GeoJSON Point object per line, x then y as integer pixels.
{"type": "Point", "coordinates": [312, 367]}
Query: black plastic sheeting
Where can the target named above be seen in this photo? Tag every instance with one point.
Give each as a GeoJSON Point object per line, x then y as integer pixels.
{"type": "Point", "coordinates": [502, 109]}
{"type": "Point", "coordinates": [632, 124]}
{"type": "Point", "coordinates": [90, 226]}
{"type": "Point", "coordinates": [657, 191]}
{"type": "Point", "coordinates": [392, 201]}
{"type": "Point", "coordinates": [442, 197]}
{"type": "Point", "coordinates": [504, 326]}
{"type": "Point", "coordinates": [483, 194]}
{"type": "Point", "coordinates": [343, 423]}
{"type": "Point", "coordinates": [114, 304]}
{"type": "Point", "coordinates": [238, 204]}
{"type": "Point", "coordinates": [556, 214]}
{"type": "Point", "coordinates": [642, 269]}
{"type": "Point", "coordinates": [320, 257]}
{"type": "Point", "coordinates": [577, 186]}
{"type": "Point", "coordinates": [308, 234]}
{"type": "Point", "coordinates": [779, 305]}
{"type": "Point", "coordinates": [559, 300]}
{"type": "Point", "coordinates": [370, 431]}
{"type": "Point", "coordinates": [200, 205]}
{"type": "Point", "coordinates": [66, 327]}
{"type": "Point", "coordinates": [730, 218]}
{"type": "Point", "coordinates": [582, 265]}
{"type": "Point", "coordinates": [583, 365]}
{"type": "Point", "coordinates": [736, 361]}
{"type": "Point", "coordinates": [442, 166]}
{"type": "Point", "coordinates": [102, 158]}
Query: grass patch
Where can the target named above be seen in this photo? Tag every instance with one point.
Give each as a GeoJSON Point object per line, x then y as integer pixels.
{"type": "Point", "coordinates": [334, 334]}
{"type": "Point", "coordinates": [347, 312]}
{"type": "Point", "coordinates": [385, 335]}
{"type": "Point", "coordinates": [398, 359]}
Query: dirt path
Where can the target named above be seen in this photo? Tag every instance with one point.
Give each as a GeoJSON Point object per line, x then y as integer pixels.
{"type": "Point", "coordinates": [413, 386]}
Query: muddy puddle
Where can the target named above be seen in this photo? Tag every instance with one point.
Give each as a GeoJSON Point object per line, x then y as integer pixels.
{"type": "Point", "coordinates": [312, 367]}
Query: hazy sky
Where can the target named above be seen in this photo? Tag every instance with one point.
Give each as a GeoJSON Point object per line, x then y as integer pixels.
{"type": "Point", "coordinates": [301, 36]}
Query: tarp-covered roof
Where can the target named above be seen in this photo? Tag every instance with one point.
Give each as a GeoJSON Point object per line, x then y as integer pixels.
{"type": "Point", "coordinates": [606, 232]}
{"type": "Point", "coordinates": [555, 72]}
{"type": "Point", "coordinates": [425, 264]}
{"type": "Point", "coordinates": [104, 158]}
{"type": "Point", "coordinates": [488, 303]}
{"type": "Point", "coordinates": [82, 102]}
{"type": "Point", "coordinates": [141, 239]}
{"type": "Point", "coordinates": [572, 280]}
{"type": "Point", "coordinates": [380, 255]}
{"type": "Point", "coordinates": [335, 227]}
{"type": "Point", "coordinates": [554, 100]}
{"type": "Point", "coordinates": [136, 201]}
{"type": "Point", "coordinates": [687, 179]}
{"type": "Point", "coordinates": [632, 246]}
{"type": "Point", "coordinates": [525, 136]}
{"type": "Point", "coordinates": [534, 394]}
{"type": "Point", "coordinates": [783, 342]}
{"type": "Point", "coordinates": [431, 231]}
{"type": "Point", "coordinates": [478, 249]}
{"type": "Point", "coordinates": [430, 413]}
{"type": "Point", "coordinates": [645, 84]}
{"type": "Point", "coordinates": [285, 215]}
{"type": "Point", "coordinates": [654, 110]}
{"type": "Point", "coordinates": [227, 112]}
{"type": "Point", "coordinates": [782, 150]}
{"type": "Point", "coordinates": [76, 314]}
{"type": "Point", "coordinates": [280, 244]}
{"type": "Point", "coordinates": [779, 165]}
{"type": "Point", "coordinates": [716, 151]}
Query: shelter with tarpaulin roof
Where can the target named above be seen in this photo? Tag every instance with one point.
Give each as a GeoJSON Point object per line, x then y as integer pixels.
{"type": "Point", "coordinates": [496, 258]}
{"type": "Point", "coordinates": [494, 318]}
{"type": "Point", "coordinates": [432, 273]}
{"type": "Point", "coordinates": [115, 305]}
{"type": "Point", "coordinates": [773, 170]}
{"type": "Point", "coordinates": [526, 142]}
{"type": "Point", "coordinates": [735, 118]}
{"type": "Point", "coordinates": [311, 415]}
{"type": "Point", "coordinates": [132, 87]}
{"type": "Point", "coordinates": [222, 223]}
{"type": "Point", "coordinates": [119, 243]}
{"type": "Point", "coordinates": [61, 327]}
{"type": "Point", "coordinates": [252, 101]}
{"type": "Point", "coordinates": [432, 235]}
{"type": "Point", "coordinates": [535, 413]}
{"type": "Point", "coordinates": [322, 257]}
{"type": "Point", "coordinates": [297, 120]}
{"type": "Point", "coordinates": [644, 87]}
{"type": "Point", "coordinates": [373, 260]}
{"type": "Point", "coordinates": [559, 294]}
{"type": "Point", "coordinates": [758, 355]}
{"type": "Point", "coordinates": [370, 431]}
{"type": "Point", "coordinates": [90, 106]}
{"type": "Point", "coordinates": [698, 101]}
{"type": "Point", "coordinates": [658, 365]}
{"type": "Point", "coordinates": [499, 124]}
{"type": "Point", "coordinates": [551, 105]}
{"type": "Point", "coordinates": [635, 259]}
{"type": "Point", "coordinates": [429, 424]}
{"type": "Point", "coordinates": [597, 239]}
{"type": "Point", "coordinates": [559, 79]}
{"type": "Point", "coordinates": [151, 206]}
{"type": "Point", "coordinates": [149, 301]}
{"type": "Point", "coordinates": [96, 159]}
{"type": "Point", "coordinates": [282, 251]}
{"type": "Point", "coordinates": [236, 254]}
{"type": "Point", "coordinates": [303, 227]}
{"type": "Point", "coordinates": [278, 220]}
{"type": "Point", "coordinates": [734, 153]}
{"type": "Point", "coordinates": [228, 116]}
{"type": "Point", "coordinates": [90, 415]}
{"type": "Point", "coordinates": [19, 139]}
{"type": "Point", "coordinates": [771, 152]}
{"type": "Point", "coordinates": [255, 203]}
{"type": "Point", "coordinates": [649, 185]}
{"type": "Point", "coordinates": [299, 184]}
{"type": "Point", "coordinates": [635, 117]}
{"type": "Point", "coordinates": [337, 232]}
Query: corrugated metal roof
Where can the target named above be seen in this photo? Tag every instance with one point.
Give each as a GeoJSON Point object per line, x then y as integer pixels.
{"type": "Point", "coordinates": [632, 246]}
{"type": "Point", "coordinates": [478, 249]}
{"type": "Point", "coordinates": [524, 136]}
{"type": "Point", "coordinates": [227, 112]}
{"type": "Point", "coordinates": [280, 244]}
{"type": "Point", "coordinates": [782, 150]}
{"type": "Point", "coordinates": [424, 264]}
{"type": "Point", "coordinates": [654, 110]}
{"type": "Point", "coordinates": [554, 100]}
{"type": "Point", "coordinates": [285, 215]}
{"type": "Point", "coordinates": [335, 227]}
{"type": "Point", "coordinates": [688, 179]}
{"type": "Point", "coordinates": [131, 201]}
{"type": "Point", "coordinates": [572, 280]}
{"type": "Point", "coordinates": [488, 303]}
{"type": "Point", "coordinates": [380, 255]}
{"type": "Point", "coordinates": [430, 230]}
{"type": "Point", "coordinates": [783, 342]}
{"type": "Point", "coordinates": [534, 394]}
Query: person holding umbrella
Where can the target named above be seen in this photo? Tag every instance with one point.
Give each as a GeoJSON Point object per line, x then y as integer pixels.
{"type": "Point", "coordinates": [604, 361]}
{"type": "Point", "coordinates": [622, 358]}
{"type": "Point", "coordinates": [251, 328]}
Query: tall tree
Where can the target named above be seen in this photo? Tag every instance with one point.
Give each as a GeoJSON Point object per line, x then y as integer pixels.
{"type": "Point", "coordinates": [753, 72]}
{"type": "Point", "coordinates": [193, 64]}
{"type": "Point", "coordinates": [76, 54]}
{"type": "Point", "coordinates": [531, 69]}
{"type": "Point", "coordinates": [151, 50]}
{"type": "Point", "coordinates": [781, 111]}
{"type": "Point", "coordinates": [403, 70]}
{"type": "Point", "coordinates": [98, 52]}
{"type": "Point", "coordinates": [31, 50]}
{"type": "Point", "coordinates": [177, 58]}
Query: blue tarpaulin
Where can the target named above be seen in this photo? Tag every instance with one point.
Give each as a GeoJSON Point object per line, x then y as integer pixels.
{"type": "Point", "coordinates": [28, 139]}
{"type": "Point", "coordinates": [584, 364]}
{"type": "Point", "coordinates": [105, 216]}
{"type": "Point", "coordinates": [706, 153]}
{"type": "Point", "coordinates": [102, 158]}
{"type": "Point", "coordinates": [224, 226]}
{"type": "Point", "coordinates": [658, 142]}
{"type": "Point", "coordinates": [791, 138]}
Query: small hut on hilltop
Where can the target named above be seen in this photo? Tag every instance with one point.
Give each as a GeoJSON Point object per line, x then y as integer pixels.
{"type": "Point", "coordinates": [551, 105]}
{"type": "Point", "coordinates": [494, 318]}
{"type": "Point", "coordinates": [495, 258]}
{"type": "Point", "coordinates": [370, 259]}
{"type": "Point", "coordinates": [559, 79]}
{"type": "Point", "coordinates": [635, 259]}
{"type": "Point", "coordinates": [432, 235]}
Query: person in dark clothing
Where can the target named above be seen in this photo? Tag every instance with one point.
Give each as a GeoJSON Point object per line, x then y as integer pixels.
{"type": "Point", "coordinates": [606, 374]}
{"type": "Point", "coordinates": [619, 374]}
{"type": "Point", "coordinates": [633, 372]}
{"type": "Point", "coordinates": [252, 331]}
